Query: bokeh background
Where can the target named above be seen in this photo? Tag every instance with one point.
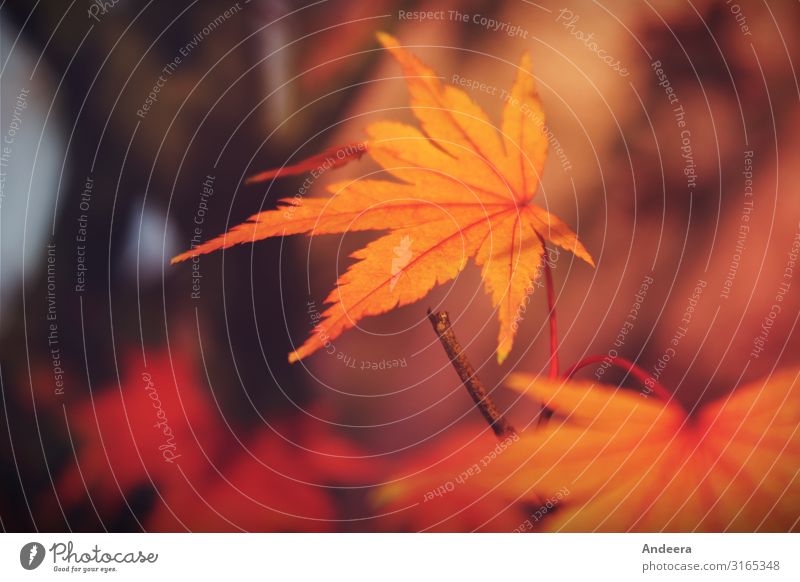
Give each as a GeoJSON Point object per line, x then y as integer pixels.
{"type": "Point", "coordinates": [100, 188]}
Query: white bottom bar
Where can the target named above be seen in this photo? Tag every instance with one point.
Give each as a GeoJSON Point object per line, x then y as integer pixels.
{"type": "Point", "coordinates": [416, 557]}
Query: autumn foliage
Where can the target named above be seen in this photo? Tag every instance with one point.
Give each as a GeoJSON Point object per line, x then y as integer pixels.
{"type": "Point", "coordinates": [609, 459]}
{"type": "Point", "coordinates": [159, 432]}
{"type": "Point", "coordinates": [461, 191]}
{"type": "Point", "coordinates": [612, 459]}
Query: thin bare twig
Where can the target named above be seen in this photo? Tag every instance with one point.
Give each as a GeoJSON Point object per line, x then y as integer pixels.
{"type": "Point", "coordinates": [551, 310]}
{"type": "Point", "coordinates": [546, 413]}
{"type": "Point", "coordinates": [441, 325]}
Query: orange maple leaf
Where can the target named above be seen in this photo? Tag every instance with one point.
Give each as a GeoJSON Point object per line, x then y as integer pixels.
{"type": "Point", "coordinates": [464, 192]}
{"type": "Point", "coordinates": [160, 433]}
{"type": "Point", "coordinates": [634, 463]}
{"type": "Point", "coordinates": [629, 463]}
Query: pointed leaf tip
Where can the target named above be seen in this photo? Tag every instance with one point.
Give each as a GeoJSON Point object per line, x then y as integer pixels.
{"type": "Point", "coordinates": [387, 40]}
{"type": "Point", "coordinates": [329, 159]}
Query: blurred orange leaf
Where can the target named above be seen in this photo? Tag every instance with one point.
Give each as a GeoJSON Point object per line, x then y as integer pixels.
{"type": "Point", "coordinates": [464, 192]}
{"type": "Point", "coordinates": [636, 463]}
{"type": "Point", "coordinates": [614, 460]}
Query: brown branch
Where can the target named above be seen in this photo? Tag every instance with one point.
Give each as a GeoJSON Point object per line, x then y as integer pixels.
{"type": "Point", "coordinates": [441, 325]}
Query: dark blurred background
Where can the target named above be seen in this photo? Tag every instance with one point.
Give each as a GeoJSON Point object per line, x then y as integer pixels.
{"type": "Point", "coordinates": [104, 346]}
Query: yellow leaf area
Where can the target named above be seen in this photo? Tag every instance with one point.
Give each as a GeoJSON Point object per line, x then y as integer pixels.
{"type": "Point", "coordinates": [461, 191]}
{"type": "Point", "coordinates": [614, 460]}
